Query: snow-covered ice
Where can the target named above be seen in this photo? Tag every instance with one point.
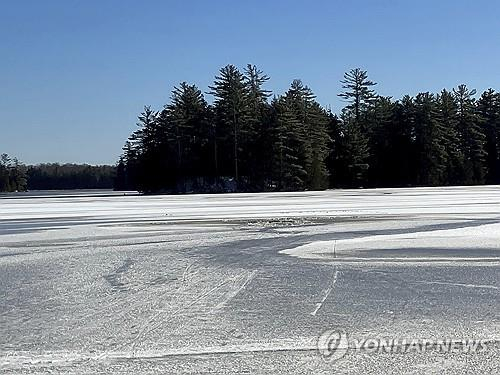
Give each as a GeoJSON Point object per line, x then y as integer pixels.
{"type": "Point", "coordinates": [245, 283]}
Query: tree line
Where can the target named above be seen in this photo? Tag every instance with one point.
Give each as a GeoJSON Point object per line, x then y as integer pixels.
{"type": "Point", "coordinates": [248, 140]}
{"type": "Point", "coordinates": [50, 176]}
{"type": "Point", "coordinates": [15, 176]}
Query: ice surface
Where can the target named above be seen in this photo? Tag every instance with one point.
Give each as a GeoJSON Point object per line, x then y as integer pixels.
{"type": "Point", "coordinates": [245, 283]}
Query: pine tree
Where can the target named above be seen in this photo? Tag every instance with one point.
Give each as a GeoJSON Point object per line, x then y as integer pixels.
{"type": "Point", "coordinates": [13, 174]}
{"type": "Point", "coordinates": [231, 105]}
{"type": "Point", "coordinates": [357, 92]}
{"type": "Point", "coordinates": [147, 142]}
{"type": "Point", "coordinates": [257, 127]}
{"type": "Point", "coordinates": [320, 141]}
{"type": "Point", "coordinates": [360, 96]}
{"type": "Point", "coordinates": [289, 173]}
{"type": "Point", "coordinates": [257, 95]}
{"type": "Point", "coordinates": [430, 135]}
{"type": "Point", "coordinates": [336, 174]}
{"type": "Point", "coordinates": [19, 176]}
{"type": "Point", "coordinates": [300, 98]}
{"type": "Point", "coordinates": [312, 134]}
{"type": "Point", "coordinates": [448, 117]}
{"type": "Point", "coordinates": [120, 181]}
{"type": "Point", "coordinates": [130, 158]}
{"type": "Point", "coordinates": [380, 132]}
{"type": "Point", "coordinates": [185, 120]}
{"type": "Point", "coordinates": [355, 151]}
{"type": "Point", "coordinates": [471, 136]}
{"type": "Point", "coordinates": [404, 153]}
{"type": "Point", "coordinates": [5, 173]}
{"type": "Point", "coordinates": [488, 108]}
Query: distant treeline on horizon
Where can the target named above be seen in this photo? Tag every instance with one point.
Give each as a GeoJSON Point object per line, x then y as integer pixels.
{"type": "Point", "coordinates": [251, 140]}
{"type": "Point", "coordinates": [15, 176]}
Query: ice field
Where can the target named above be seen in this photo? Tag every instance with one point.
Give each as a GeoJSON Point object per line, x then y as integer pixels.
{"type": "Point", "coordinates": [103, 282]}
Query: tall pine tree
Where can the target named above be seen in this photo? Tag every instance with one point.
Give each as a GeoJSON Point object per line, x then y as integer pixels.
{"type": "Point", "coordinates": [231, 106]}
{"type": "Point", "coordinates": [471, 136]}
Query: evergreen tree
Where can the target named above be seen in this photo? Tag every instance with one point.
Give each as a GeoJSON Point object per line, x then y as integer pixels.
{"type": "Point", "coordinates": [381, 135]}
{"type": "Point", "coordinates": [471, 136]}
{"type": "Point", "coordinates": [488, 108]}
{"type": "Point", "coordinates": [312, 134]}
{"type": "Point", "coordinates": [257, 128]}
{"type": "Point", "coordinates": [358, 92]}
{"type": "Point", "coordinates": [354, 149]}
{"type": "Point", "coordinates": [403, 169]}
{"type": "Point", "coordinates": [185, 122]}
{"type": "Point", "coordinates": [130, 159]}
{"type": "Point", "coordinates": [430, 135]}
{"type": "Point", "coordinates": [289, 173]}
{"type": "Point", "coordinates": [231, 105]}
{"type": "Point", "coordinates": [360, 96]}
{"type": "Point", "coordinates": [320, 142]}
{"type": "Point", "coordinates": [146, 142]}
{"type": "Point", "coordinates": [448, 117]}
{"type": "Point", "coordinates": [13, 174]}
{"type": "Point", "coordinates": [337, 175]}
{"type": "Point", "coordinates": [257, 96]}
{"type": "Point", "coordinates": [5, 164]}
{"type": "Point", "coordinates": [18, 176]}
{"type": "Point", "coordinates": [121, 180]}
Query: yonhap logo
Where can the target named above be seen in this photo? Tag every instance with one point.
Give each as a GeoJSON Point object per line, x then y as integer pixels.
{"type": "Point", "coordinates": [334, 344]}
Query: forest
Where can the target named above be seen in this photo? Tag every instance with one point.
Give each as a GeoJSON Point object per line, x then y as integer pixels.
{"type": "Point", "coordinates": [15, 176]}
{"type": "Point", "coordinates": [249, 139]}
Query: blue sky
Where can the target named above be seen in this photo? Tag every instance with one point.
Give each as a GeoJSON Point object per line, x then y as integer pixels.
{"type": "Point", "coordinates": [75, 74]}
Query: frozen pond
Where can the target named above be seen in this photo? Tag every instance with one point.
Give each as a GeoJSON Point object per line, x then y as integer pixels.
{"type": "Point", "coordinates": [246, 283]}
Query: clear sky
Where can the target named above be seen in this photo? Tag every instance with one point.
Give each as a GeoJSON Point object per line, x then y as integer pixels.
{"type": "Point", "coordinates": [74, 74]}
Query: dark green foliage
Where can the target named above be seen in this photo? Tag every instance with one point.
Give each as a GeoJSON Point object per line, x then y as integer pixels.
{"type": "Point", "coordinates": [488, 109]}
{"type": "Point", "coordinates": [401, 153]}
{"type": "Point", "coordinates": [243, 142]}
{"type": "Point", "coordinates": [256, 137]}
{"type": "Point", "coordinates": [186, 128]}
{"type": "Point", "coordinates": [430, 141]}
{"type": "Point", "coordinates": [15, 176]}
{"type": "Point", "coordinates": [288, 171]}
{"type": "Point", "coordinates": [382, 136]}
{"type": "Point", "coordinates": [311, 135]}
{"type": "Point", "coordinates": [54, 176]}
{"type": "Point", "coordinates": [472, 138]}
{"type": "Point", "coordinates": [357, 125]}
{"type": "Point", "coordinates": [12, 174]}
{"type": "Point", "coordinates": [231, 107]}
{"type": "Point", "coordinates": [447, 107]}
{"type": "Point", "coordinates": [353, 151]}
{"type": "Point", "coordinates": [358, 93]}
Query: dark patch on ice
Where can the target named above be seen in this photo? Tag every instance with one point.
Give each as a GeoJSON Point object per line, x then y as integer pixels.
{"type": "Point", "coordinates": [280, 222]}
{"type": "Point", "coordinates": [58, 194]}
{"type": "Point", "coordinates": [115, 278]}
{"type": "Point", "coordinates": [251, 253]}
{"type": "Point", "coordinates": [430, 252]}
{"type": "Point", "coordinates": [161, 280]}
{"type": "Point", "coordinates": [11, 254]}
{"type": "Point", "coordinates": [46, 243]}
{"type": "Point", "coordinates": [24, 230]}
{"type": "Point", "coordinates": [31, 225]}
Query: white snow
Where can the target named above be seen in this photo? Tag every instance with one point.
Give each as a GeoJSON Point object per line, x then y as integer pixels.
{"type": "Point", "coordinates": [90, 280]}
